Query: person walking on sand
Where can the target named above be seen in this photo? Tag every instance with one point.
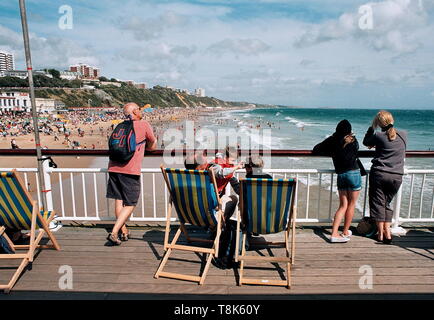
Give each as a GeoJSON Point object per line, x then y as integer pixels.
{"type": "Point", "coordinates": [342, 146]}
{"type": "Point", "coordinates": [387, 170]}
{"type": "Point", "coordinates": [124, 178]}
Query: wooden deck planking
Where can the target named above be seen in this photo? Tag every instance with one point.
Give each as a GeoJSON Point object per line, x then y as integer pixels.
{"type": "Point", "coordinates": [320, 268]}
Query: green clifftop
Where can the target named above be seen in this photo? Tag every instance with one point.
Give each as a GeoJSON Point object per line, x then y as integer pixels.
{"type": "Point", "coordinates": [110, 96]}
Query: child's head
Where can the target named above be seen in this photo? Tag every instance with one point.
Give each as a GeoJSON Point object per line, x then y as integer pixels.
{"type": "Point", "coordinates": [254, 163]}
{"type": "Point", "coordinates": [194, 160]}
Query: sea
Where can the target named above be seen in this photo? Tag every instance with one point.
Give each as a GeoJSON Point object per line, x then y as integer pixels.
{"type": "Point", "coordinates": [303, 128]}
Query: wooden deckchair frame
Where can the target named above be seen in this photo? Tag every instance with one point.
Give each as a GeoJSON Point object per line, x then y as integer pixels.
{"type": "Point", "coordinates": [289, 259]}
{"type": "Point", "coordinates": [169, 247]}
{"type": "Point", "coordinates": [27, 258]}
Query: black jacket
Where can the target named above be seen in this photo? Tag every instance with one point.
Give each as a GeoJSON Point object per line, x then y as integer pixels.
{"type": "Point", "coordinates": [344, 159]}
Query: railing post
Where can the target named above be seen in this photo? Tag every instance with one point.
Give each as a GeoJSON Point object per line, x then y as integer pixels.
{"type": "Point", "coordinates": [47, 185]}
{"type": "Point", "coordinates": [396, 229]}
{"type": "Point", "coordinates": [48, 193]}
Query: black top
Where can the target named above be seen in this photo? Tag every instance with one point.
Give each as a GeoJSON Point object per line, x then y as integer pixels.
{"type": "Point", "coordinates": [344, 159]}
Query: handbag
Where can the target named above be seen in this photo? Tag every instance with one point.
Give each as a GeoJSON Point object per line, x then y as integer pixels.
{"type": "Point", "coordinates": [361, 167]}
{"type": "Point", "coordinates": [367, 227]}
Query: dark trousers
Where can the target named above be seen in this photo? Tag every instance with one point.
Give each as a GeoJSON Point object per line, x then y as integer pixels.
{"type": "Point", "coordinates": [383, 186]}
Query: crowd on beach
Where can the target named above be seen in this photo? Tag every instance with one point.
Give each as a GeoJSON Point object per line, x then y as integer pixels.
{"type": "Point", "coordinates": [83, 129]}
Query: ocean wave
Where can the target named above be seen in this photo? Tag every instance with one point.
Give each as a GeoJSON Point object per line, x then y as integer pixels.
{"type": "Point", "coordinates": [299, 123]}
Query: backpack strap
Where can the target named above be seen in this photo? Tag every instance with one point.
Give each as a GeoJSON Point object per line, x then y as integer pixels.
{"type": "Point", "coordinates": [141, 142]}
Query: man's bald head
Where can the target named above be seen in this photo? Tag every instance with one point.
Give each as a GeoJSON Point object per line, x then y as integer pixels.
{"type": "Point", "coordinates": [129, 108]}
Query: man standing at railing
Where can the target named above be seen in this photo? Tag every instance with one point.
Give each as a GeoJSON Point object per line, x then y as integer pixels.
{"type": "Point", "coordinates": [124, 177]}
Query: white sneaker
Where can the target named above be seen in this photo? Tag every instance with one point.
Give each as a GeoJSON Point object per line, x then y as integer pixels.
{"type": "Point", "coordinates": [350, 233]}
{"type": "Point", "coordinates": [339, 239]}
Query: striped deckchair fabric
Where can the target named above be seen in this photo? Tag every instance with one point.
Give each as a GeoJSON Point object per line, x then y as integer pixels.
{"type": "Point", "coordinates": [266, 204]}
{"type": "Point", "coordinates": [18, 211]}
{"type": "Point", "coordinates": [193, 196]}
{"type": "Point", "coordinates": [15, 205]}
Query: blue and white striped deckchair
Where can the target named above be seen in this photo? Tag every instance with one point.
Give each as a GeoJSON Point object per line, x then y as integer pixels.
{"type": "Point", "coordinates": [18, 211]}
{"type": "Point", "coordinates": [194, 196]}
{"type": "Point", "coordinates": [267, 206]}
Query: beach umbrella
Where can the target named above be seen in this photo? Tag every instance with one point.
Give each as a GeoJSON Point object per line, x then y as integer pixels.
{"type": "Point", "coordinates": [32, 99]}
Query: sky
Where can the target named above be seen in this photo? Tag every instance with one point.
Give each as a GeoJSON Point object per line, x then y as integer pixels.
{"type": "Point", "coordinates": [317, 53]}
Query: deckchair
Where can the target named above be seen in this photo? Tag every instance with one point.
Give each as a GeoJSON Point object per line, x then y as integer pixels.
{"type": "Point", "coordinates": [18, 211]}
{"type": "Point", "coordinates": [194, 196]}
{"type": "Point", "coordinates": [266, 206]}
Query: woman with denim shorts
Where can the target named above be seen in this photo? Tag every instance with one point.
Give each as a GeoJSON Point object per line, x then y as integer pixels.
{"type": "Point", "coordinates": [342, 146]}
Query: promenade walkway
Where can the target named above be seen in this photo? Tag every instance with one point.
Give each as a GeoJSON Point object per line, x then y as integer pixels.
{"type": "Point", "coordinates": [405, 269]}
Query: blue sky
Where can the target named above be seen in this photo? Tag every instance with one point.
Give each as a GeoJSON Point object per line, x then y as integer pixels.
{"type": "Point", "coordinates": [288, 52]}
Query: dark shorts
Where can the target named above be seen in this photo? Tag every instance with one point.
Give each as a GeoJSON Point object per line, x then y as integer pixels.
{"type": "Point", "coordinates": [350, 181]}
{"type": "Point", "coordinates": [125, 187]}
{"type": "Point", "coordinates": [383, 187]}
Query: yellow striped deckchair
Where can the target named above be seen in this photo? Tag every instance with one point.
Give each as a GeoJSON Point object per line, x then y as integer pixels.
{"type": "Point", "coordinates": [18, 211]}
{"type": "Point", "coordinates": [194, 196]}
{"type": "Point", "coordinates": [267, 206]}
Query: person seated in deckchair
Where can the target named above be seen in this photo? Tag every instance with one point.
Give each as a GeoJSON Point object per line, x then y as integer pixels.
{"type": "Point", "coordinates": [254, 168]}
{"type": "Point", "coordinates": [224, 169]}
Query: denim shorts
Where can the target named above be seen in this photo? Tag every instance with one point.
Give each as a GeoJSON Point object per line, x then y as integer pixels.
{"type": "Point", "coordinates": [350, 180]}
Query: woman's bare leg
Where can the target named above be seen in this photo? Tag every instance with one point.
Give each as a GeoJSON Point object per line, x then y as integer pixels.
{"type": "Point", "coordinates": [380, 228]}
{"type": "Point", "coordinates": [387, 233]}
{"type": "Point", "coordinates": [349, 214]}
{"type": "Point", "coordinates": [343, 205]}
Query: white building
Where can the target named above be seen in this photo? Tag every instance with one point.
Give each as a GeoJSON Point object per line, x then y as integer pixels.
{"type": "Point", "coordinates": [24, 74]}
{"type": "Point", "coordinates": [15, 101]}
{"type": "Point", "coordinates": [199, 92]}
{"type": "Point", "coordinates": [7, 61]}
{"type": "Point", "coordinates": [20, 101]}
{"type": "Point", "coordinates": [45, 105]}
{"type": "Point", "coordinates": [69, 75]}
{"type": "Point", "coordinates": [108, 83]}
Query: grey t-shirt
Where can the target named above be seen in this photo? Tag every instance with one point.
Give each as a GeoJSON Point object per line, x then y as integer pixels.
{"type": "Point", "coordinates": [389, 155]}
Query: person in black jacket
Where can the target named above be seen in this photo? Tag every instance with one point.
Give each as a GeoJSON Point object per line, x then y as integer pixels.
{"type": "Point", "coordinates": [342, 146]}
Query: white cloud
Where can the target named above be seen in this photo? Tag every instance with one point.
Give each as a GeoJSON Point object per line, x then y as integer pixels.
{"type": "Point", "coordinates": [246, 47]}
{"type": "Point", "coordinates": [46, 51]}
{"type": "Point", "coordinates": [396, 24]}
{"type": "Point", "coordinates": [144, 28]}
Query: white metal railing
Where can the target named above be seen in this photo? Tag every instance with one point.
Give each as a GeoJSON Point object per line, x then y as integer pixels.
{"type": "Point", "coordinates": [79, 194]}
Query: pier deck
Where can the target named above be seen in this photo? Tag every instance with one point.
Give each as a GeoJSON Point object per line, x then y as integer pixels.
{"type": "Point", "coordinates": [405, 269]}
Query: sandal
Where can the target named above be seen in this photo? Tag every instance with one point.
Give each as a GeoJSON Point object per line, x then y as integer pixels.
{"type": "Point", "coordinates": [114, 241]}
{"type": "Point", "coordinates": [125, 236]}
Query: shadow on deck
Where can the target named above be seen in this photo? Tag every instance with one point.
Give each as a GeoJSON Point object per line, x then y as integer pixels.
{"type": "Point", "coordinates": [322, 270]}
